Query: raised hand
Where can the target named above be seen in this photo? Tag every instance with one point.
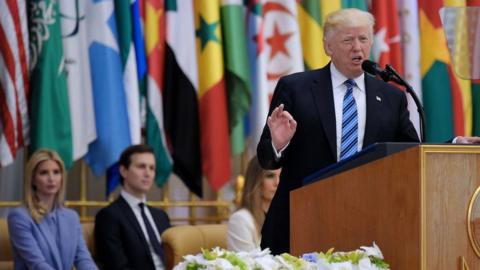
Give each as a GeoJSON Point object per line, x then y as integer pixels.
{"type": "Point", "coordinates": [282, 127]}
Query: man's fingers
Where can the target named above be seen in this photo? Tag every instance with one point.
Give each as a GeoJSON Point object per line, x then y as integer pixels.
{"type": "Point", "coordinates": [287, 116]}
{"type": "Point", "coordinates": [277, 112]}
{"type": "Point", "coordinates": [293, 124]}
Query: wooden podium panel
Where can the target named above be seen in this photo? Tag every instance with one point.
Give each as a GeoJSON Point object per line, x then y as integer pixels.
{"type": "Point", "coordinates": [413, 204]}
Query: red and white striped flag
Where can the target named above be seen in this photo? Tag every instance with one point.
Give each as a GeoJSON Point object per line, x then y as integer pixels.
{"type": "Point", "coordinates": [14, 60]}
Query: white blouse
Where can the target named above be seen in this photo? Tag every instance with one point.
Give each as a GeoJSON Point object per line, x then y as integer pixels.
{"type": "Point", "coordinates": [242, 234]}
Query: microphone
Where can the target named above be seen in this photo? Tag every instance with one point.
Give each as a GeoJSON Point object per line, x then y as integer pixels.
{"type": "Point", "coordinates": [374, 69]}
{"type": "Point", "coordinates": [390, 74]}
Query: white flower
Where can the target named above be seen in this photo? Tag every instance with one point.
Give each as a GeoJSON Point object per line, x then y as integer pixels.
{"type": "Point", "coordinates": [373, 251]}
{"type": "Point", "coordinates": [322, 264]}
{"type": "Point", "coordinates": [221, 259]}
{"type": "Point", "coordinates": [341, 266]}
{"type": "Point", "coordinates": [365, 264]}
{"type": "Point", "coordinates": [267, 262]}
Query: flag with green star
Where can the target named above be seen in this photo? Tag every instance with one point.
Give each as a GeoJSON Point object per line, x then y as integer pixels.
{"type": "Point", "coordinates": [214, 137]}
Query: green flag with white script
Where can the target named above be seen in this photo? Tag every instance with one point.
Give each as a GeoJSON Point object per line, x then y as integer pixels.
{"type": "Point", "coordinates": [50, 114]}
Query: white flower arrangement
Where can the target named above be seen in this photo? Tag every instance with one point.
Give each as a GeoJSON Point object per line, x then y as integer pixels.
{"type": "Point", "coordinates": [365, 258]}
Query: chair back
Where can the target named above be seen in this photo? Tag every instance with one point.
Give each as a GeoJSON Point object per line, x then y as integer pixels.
{"type": "Point", "coordinates": [183, 240]}
{"type": "Point", "coordinates": [6, 256]}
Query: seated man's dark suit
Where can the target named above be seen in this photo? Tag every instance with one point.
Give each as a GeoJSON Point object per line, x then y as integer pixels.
{"type": "Point", "coordinates": [119, 240]}
{"type": "Point", "coordinates": [308, 97]}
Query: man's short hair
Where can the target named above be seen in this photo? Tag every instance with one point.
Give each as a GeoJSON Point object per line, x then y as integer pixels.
{"type": "Point", "coordinates": [346, 18]}
{"type": "Point", "coordinates": [125, 157]}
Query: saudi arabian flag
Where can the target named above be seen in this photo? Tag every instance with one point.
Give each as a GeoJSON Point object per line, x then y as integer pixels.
{"type": "Point", "coordinates": [50, 113]}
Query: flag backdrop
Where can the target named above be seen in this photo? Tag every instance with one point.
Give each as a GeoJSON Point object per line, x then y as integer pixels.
{"type": "Point", "coordinates": [282, 41]}
{"type": "Point", "coordinates": [124, 21]}
{"type": "Point", "coordinates": [387, 47]}
{"type": "Point", "coordinates": [77, 65]}
{"type": "Point", "coordinates": [311, 15]}
{"type": "Point", "coordinates": [258, 63]}
{"type": "Point", "coordinates": [14, 90]}
{"type": "Point", "coordinates": [410, 43]}
{"type": "Point", "coordinates": [310, 22]}
{"type": "Point", "coordinates": [461, 88]}
{"type": "Point", "coordinates": [236, 71]}
{"type": "Point", "coordinates": [181, 98]}
{"type": "Point", "coordinates": [446, 98]}
{"type": "Point", "coordinates": [111, 116]}
{"type": "Point", "coordinates": [50, 112]}
{"type": "Point", "coordinates": [195, 79]}
{"type": "Point", "coordinates": [214, 139]}
{"type": "Point", "coordinates": [476, 83]}
{"type": "Point", "coordinates": [154, 40]}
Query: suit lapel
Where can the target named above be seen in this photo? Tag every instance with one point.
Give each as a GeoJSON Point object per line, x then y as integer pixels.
{"type": "Point", "coordinates": [374, 102]}
{"type": "Point", "coordinates": [51, 240]}
{"type": "Point", "coordinates": [132, 219]}
{"type": "Point", "coordinates": [323, 97]}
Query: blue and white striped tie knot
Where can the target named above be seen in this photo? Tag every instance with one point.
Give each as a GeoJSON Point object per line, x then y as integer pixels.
{"type": "Point", "coordinates": [349, 84]}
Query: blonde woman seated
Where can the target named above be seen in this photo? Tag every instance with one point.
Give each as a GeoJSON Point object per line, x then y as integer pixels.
{"type": "Point", "coordinates": [245, 224]}
{"type": "Point", "coordinates": [43, 233]}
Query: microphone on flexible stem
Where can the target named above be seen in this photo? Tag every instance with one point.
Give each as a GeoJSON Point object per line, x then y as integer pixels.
{"type": "Point", "coordinates": [390, 74]}
{"type": "Point", "coordinates": [374, 69]}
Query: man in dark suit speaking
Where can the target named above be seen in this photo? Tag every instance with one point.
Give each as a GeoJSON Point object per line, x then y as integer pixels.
{"type": "Point", "coordinates": [127, 232]}
{"type": "Point", "coordinates": [322, 116]}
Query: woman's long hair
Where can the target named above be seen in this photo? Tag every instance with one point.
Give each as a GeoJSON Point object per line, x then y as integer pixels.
{"type": "Point", "coordinates": [252, 192]}
{"type": "Point", "coordinates": [30, 199]}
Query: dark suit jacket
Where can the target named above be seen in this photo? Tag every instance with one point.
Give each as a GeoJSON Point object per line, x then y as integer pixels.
{"type": "Point", "coordinates": [308, 97]}
{"type": "Point", "coordinates": [119, 240]}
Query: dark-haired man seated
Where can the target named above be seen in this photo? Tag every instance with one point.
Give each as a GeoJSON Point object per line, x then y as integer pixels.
{"type": "Point", "coordinates": [127, 232]}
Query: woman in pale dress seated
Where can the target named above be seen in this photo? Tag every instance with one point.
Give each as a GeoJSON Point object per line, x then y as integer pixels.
{"type": "Point", "coordinates": [245, 224]}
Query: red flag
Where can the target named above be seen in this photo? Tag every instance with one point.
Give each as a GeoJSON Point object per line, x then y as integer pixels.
{"type": "Point", "coordinates": [387, 46]}
{"type": "Point", "coordinates": [14, 81]}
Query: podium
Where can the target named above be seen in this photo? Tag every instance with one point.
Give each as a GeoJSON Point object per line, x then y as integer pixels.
{"type": "Point", "coordinates": [419, 205]}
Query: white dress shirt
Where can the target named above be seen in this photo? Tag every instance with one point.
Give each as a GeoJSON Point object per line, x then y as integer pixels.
{"type": "Point", "coordinates": [339, 90]}
{"type": "Point", "coordinates": [133, 203]}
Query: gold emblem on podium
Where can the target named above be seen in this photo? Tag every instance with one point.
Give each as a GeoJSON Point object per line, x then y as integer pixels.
{"type": "Point", "coordinates": [473, 221]}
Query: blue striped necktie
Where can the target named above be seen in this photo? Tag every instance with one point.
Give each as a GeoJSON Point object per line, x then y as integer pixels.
{"type": "Point", "coordinates": [349, 122]}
